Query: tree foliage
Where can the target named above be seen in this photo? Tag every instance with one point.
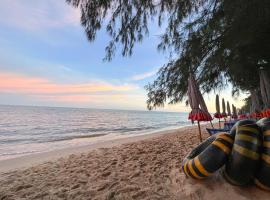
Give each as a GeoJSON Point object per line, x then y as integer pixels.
{"type": "Point", "coordinates": [220, 41]}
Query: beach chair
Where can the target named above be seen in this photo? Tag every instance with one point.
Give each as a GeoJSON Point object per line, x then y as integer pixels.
{"type": "Point", "coordinates": [213, 131]}
{"type": "Point", "coordinates": [229, 125]}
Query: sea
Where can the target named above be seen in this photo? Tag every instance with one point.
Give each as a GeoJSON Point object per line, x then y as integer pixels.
{"type": "Point", "coordinates": [26, 130]}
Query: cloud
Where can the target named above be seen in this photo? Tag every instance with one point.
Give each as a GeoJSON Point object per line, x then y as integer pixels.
{"type": "Point", "coordinates": [33, 90]}
{"type": "Point", "coordinates": [21, 89]}
{"type": "Point", "coordinates": [145, 75]}
{"type": "Point", "coordinates": [35, 15]}
{"type": "Point", "coordinates": [16, 83]}
{"type": "Point", "coordinates": [65, 68]}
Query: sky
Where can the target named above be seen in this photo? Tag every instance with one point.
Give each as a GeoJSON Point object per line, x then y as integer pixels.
{"type": "Point", "coordinates": [46, 60]}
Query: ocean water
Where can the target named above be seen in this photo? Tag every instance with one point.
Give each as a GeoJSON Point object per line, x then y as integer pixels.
{"type": "Point", "coordinates": [26, 130]}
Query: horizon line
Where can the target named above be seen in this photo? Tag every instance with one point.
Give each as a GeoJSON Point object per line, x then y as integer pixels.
{"type": "Point", "coordinates": [73, 107]}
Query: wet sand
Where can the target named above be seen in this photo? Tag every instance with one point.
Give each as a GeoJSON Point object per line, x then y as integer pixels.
{"type": "Point", "coordinates": [144, 167]}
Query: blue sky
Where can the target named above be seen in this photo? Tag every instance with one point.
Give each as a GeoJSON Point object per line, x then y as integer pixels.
{"type": "Point", "coordinates": [45, 59]}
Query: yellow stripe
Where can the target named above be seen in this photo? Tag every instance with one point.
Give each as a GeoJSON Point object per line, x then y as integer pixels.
{"type": "Point", "coordinates": [200, 167]}
{"type": "Point", "coordinates": [253, 130]}
{"type": "Point", "coordinates": [259, 184]}
{"type": "Point", "coordinates": [266, 133]}
{"type": "Point", "coordinates": [246, 152]}
{"type": "Point", "coordinates": [185, 168]}
{"type": "Point", "coordinates": [248, 138]}
{"type": "Point", "coordinates": [222, 146]}
{"type": "Point", "coordinates": [192, 170]}
{"type": "Point", "coordinates": [244, 128]}
{"type": "Point", "coordinates": [266, 158]}
{"type": "Point", "coordinates": [266, 144]}
{"type": "Point", "coordinates": [224, 137]}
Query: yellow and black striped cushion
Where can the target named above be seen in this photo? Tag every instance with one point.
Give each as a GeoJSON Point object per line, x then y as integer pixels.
{"type": "Point", "coordinates": [262, 179]}
{"type": "Point", "coordinates": [244, 159]}
{"type": "Point", "coordinates": [208, 160]}
{"type": "Point", "coordinates": [240, 123]}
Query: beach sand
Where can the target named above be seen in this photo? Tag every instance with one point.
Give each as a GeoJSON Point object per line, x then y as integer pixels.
{"type": "Point", "coordinates": [144, 167]}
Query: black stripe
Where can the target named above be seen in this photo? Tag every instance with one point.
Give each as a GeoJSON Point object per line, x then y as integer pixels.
{"type": "Point", "coordinates": [189, 173]}
{"type": "Point", "coordinates": [252, 126]}
{"type": "Point", "coordinates": [225, 142]}
{"type": "Point", "coordinates": [241, 123]}
{"type": "Point", "coordinates": [248, 145]}
{"type": "Point", "coordinates": [252, 134]}
{"type": "Point", "coordinates": [213, 158]}
{"type": "Point", "coordinates": [196, 170]}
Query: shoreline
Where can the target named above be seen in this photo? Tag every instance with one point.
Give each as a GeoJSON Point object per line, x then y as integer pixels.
{"type": "Point", "coordinates": [25, 161]}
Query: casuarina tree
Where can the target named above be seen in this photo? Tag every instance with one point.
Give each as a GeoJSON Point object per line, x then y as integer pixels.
{"type": "Point", "coordinates": [219, 41]}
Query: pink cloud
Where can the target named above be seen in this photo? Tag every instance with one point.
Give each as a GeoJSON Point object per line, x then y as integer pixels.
{"type": "Point", "coordinates": [15, 83]}
{"type": "Point", "coordinates": [83, 98]}
{"type": "Point", "coordinates": [46, 92]}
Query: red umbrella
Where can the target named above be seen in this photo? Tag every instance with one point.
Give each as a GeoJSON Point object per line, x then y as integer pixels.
{"type": "Point", "coordinates": [218, 115]}
{"type": "Point", "coordinates": [241, 114]}
{"type": "Point", "coordinates": [199, 111]}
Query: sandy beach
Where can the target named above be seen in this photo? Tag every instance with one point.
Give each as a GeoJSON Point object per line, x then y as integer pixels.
{"type": "Point", "coordinates": [143, 167]}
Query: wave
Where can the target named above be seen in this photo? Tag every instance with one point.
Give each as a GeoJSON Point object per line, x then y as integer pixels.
{"type": "Point", "coordinates": [75, 137]}
{"type": "Point", "coordinates": [77, 133]}
{"type": "Point", "coordinates": [125, 129]}
{"type": "Point", "coordinates": [19, 153]}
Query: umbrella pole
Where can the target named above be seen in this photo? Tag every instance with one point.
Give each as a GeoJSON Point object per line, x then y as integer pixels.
{"type": "Point", "coordinates": [211, 124]}
{"type": "Point", "coordinates": [219, 122]}
{"type": "Point", "coordinates": [200, 134]}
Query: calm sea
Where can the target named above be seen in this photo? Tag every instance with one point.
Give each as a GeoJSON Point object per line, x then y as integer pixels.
{"type": "Point", "coordinates": [27, 130]}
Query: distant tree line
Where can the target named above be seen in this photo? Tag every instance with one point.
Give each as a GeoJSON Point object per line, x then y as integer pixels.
{"type": "Point", "coordinates": [220, 41]}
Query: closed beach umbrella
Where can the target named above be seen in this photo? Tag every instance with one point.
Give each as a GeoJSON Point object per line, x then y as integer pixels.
{"type": "Point", "coordinates": [199, 111]}
{"type": "Point", "coordinates": [224, 108]}
{"type": "Point", "coordinates": [265, 91]}
{"type": "Point", "coordinates": [218, 115]}
{"type": "Point", "coordinates": [234, 112]}
{"type": "Point", "coordinates": [255, 104]}
{"type": "Point", "coordinates": [229, 109]}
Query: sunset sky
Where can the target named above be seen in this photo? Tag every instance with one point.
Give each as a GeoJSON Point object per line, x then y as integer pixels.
{"type": "Point", "coordinates": [45, 59]}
